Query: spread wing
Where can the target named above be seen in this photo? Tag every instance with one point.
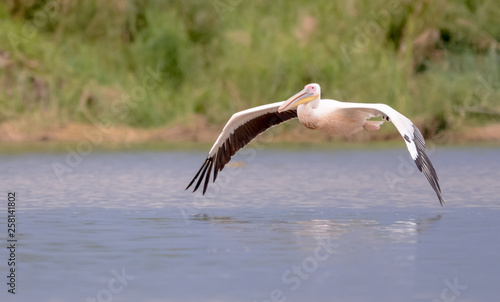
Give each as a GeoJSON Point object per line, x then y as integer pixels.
{"type": "Point", "coordinates": [412, 136]}
{"type": "Point", "coordinates": [241, 128]}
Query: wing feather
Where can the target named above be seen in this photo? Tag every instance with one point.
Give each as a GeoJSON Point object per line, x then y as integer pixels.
{"type": "Point", "coordinates": [413, 138]}
{"type": "Point", "coordinates": [245, 125]}
{"type": "Point", "coordinates": [241, 128]}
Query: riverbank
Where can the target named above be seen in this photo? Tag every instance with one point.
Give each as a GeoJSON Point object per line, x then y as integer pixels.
{"type": "Point", "coordinates": [200, 131]}
{"type": "Point", "coordinates": [180, 70]}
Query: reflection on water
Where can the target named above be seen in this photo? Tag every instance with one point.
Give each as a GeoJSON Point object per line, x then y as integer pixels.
{"type": "Point", "coordinates": [289, 226]}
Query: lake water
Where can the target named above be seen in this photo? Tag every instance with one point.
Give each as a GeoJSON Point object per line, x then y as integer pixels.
{"type": "Point", "coordinates": [329, 225]}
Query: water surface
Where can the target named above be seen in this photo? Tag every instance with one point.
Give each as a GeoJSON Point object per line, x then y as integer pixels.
{"type": "Point", "coordinates": [331, 225]}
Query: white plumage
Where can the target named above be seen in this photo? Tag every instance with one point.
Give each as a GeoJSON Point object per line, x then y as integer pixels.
{"type": "Point", "coordinates": [330, 116]}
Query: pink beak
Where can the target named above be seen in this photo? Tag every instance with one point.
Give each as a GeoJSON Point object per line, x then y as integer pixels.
{"type": "Point", "coordinates": [294, 99]}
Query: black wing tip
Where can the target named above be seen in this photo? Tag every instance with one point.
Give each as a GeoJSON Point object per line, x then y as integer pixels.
{"type": "Point", "coordinates": [438, 194]}
{"type": "Point", "coordinates": [424, 164]}
{"type": "Point", "coordinates": [241, 136]}
{"type": "Point", "coordinates": [207, 179]}
{"type": "Point", "coordinates": [206, 164]}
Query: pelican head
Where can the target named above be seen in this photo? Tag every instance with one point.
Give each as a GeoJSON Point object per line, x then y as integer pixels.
{"type": "Point", "coordinates": [310, 93]}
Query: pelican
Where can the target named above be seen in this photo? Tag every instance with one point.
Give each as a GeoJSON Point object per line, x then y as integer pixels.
{"type": "Point", "coordinates": [330, 116]}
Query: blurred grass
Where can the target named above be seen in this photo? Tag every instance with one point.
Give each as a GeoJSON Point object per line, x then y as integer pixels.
{"type": "Point", "coordinates": [86, 61]}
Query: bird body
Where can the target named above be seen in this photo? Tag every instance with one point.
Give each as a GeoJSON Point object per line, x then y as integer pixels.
{"type": "Point", "coordinates": [331, 116]}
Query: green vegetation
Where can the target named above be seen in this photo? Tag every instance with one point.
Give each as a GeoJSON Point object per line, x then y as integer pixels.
{"type": "Point", "coordinates": [154, 63]}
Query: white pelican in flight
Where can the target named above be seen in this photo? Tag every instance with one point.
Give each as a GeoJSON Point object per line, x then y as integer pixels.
{"type": "Point", "coordinates": [330, 116]}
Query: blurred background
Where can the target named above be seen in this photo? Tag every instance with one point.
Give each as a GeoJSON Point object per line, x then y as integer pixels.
{"type": "Point", "coordinates": [157, 80]}
{"type": "Point", "coordinates": [177, 70]}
